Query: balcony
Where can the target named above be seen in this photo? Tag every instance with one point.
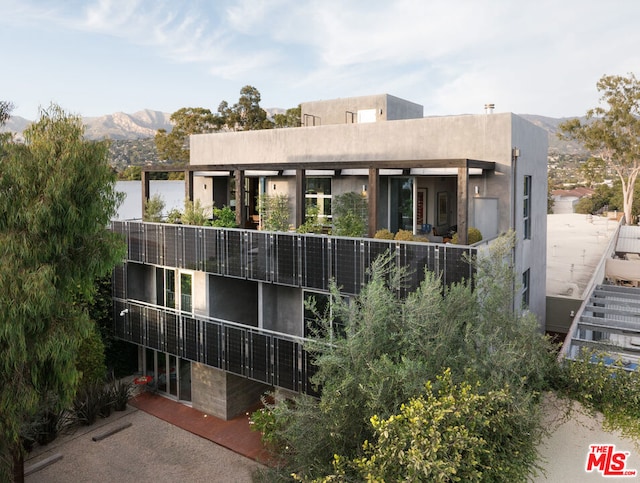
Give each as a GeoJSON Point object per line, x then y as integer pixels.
{"type": "Point", "coordinates": [292, 259]}
{"type": "Point", "coordinates": [307, 262]}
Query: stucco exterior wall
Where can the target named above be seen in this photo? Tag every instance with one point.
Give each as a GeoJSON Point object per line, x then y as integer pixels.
{"type": "Point", "coordinates": [345, 110]}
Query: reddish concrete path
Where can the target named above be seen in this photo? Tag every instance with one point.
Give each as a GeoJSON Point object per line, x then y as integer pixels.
{"type": "Point", "coordinates": [235, 434]}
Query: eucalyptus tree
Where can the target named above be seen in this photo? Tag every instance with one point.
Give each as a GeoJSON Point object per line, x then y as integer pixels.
{"type": "Point", "coordinates": [612, 132]}
{"type": "Point", "coordinates": [57, 197]}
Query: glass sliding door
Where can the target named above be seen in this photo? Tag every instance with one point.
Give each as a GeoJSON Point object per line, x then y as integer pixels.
{"type": "Point", "coordinates": [401, 204]}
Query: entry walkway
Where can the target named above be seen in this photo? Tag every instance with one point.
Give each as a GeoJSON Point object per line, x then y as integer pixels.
{"type": "Point", "coordinates": [235, 434]}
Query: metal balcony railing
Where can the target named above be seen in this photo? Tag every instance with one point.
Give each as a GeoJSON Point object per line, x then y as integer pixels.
{"type": "Point", "coordinates": [299, 260]}
{"type": "Point", "coordinates": [261, 355]}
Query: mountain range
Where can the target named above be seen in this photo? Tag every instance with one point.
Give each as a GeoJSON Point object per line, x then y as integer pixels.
{"type": "Point", "coordinates": [143, 124]}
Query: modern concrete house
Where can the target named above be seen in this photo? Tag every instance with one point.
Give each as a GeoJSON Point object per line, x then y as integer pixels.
{"type": "Point", "coordinates": [221, 311]}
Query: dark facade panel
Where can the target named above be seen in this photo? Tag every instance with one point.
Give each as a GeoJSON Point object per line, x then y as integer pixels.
{"type": "Point", "coordinates": [234, 350]}
{"type": "Point", "coordinates": [213, 344]}
{"type": "Point", "coordinates": [190, 252]}
{"type": "Point", "coordinates": [286, 259]}
{"type": "Point", "coordinates": [347, 264]}
{"type": "Point", "coordinates": [234, 260]}
{"type": "Point", "coordinates": [315, 262]}
{"type": "Point", "coordinates": [286, 364]}
{"type": "Point", "coordinates": [190, 339]}
{"type": "Point", "coordinates": [171, 333]}
{"type": "Point", "coordinates": [153, 242]}
{"type": "Point", "coordinates": [260, 357]}
{"type": "Point", "coordinates": [258, 256]}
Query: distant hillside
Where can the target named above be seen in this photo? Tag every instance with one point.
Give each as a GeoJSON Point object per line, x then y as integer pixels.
{"type": "Point", "coordinates": [132, 134]}
{"type": "Point", "coordinates": [551, 125]}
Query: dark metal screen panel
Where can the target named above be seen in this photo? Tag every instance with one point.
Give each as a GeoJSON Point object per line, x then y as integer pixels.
{"type": "Point", "coordinates": [416, 258]}
{"type": "Point", "coordinates": [234, 248]}
{"type": "Point", "coordinates": [234, 350]}
{"type": "Point", "coordinates": [154, 338]}
{"type": "Point", "coordinates": [309, 370]}
{"type": "Point", "coordinates": [259, 357]}
{"type": "Point", "coordinates": [373, 249]}
{"type": "Point", "coordinates": [171, 333]}
{"type": "Point", "coordinates": [210, 251]}
{"type": "Point", "coordinates": [119, 279]}
{"type": "Point", "coordinates": [457, 267]}
{"type": "Point", "coordinates": [120, 321]}
{"type": "Point", "coordinates": [347, 264]}
{"type": "Point", "coordinates": [171, 246]}
{"type": "Point", "coordinates": [286, 364]}
{"type": "Point", "coordinates": [136, 242]}
{"type": "Point", "coordinates": [258, 256]}
{"type": "Point", "coordinates": [315, 262]}
{"type": "Point", "coordinates": [153, 237]}
{"type": "Point", "coordinates": [213, 344]}
{"type": "Point", "coordinates": [190, 339]}
{"type": "Point", "coordinates": [136, 324]}
{"type": "Point", "coordinates": [286, 259]}
{"type": "Point", "coordinates": [189, 236]}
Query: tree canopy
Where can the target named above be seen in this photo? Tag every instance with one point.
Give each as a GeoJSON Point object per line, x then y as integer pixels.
{"type": "Point", "coordinates": [57, 197]}
{"type": "Point", "coordinates": [244, 115]}
{"type": "Point", "coordinates": [380, 353]}
{"type": "Point", "coordinates": [612, 132]}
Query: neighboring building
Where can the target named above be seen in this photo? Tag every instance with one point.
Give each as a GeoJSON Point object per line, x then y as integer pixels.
{"type": "Point", "coordinates": [609, 318]}
{"type": "Point", "coordinates": [564, 201]}
{"type": "Point", "coordinates": [575, 247]}
{"type": "Point", "coordinates": [222, 310]}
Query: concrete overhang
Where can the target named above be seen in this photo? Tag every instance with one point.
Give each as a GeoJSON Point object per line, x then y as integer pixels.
{"type": "Point", "coordinates": [336, 165]}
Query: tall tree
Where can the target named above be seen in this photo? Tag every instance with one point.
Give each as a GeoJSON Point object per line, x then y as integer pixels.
{"type": "Point", "coordinates": [612, 132]}
{"type": "Point", "coordinates": [246, 114]}
{"type": "Point", "coordinates": [291, 118]}
{"type": "Point", "coordinates": [174, 146]}
{"type": "Point", "coordinates": [57, 197]}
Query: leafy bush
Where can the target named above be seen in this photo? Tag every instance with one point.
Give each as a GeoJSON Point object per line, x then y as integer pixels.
{"type": "Point", "coordinates": [153, 208]}
{"type": "Point", "coordinates": [388, 347]}
{"type": "Point", "coordinates": [224, 217]}
{"type": "Point", "coordinates": [275, 212]}
{"type": "Point", "coordinates": [606, 388]}
{"type": "Point", "coordinates": [384, 234]}
{"type": "Point", "coordinates": [312, 221]}
{"type": "Point", "coordinates": [90, 361]}
{"type": "Point", "coordinates": [473, 236]}
{"type": "Point", "coordinates": [449, 433]}
{"type": "Point", "coordinates": [350, 214]}
{"type": "Point", "coordinates": [404, 235]}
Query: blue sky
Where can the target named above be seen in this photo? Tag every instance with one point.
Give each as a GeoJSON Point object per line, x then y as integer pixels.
{"type": "Point", "coordinates": [96, 57]}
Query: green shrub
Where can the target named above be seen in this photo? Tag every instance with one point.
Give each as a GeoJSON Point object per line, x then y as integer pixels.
{"type": "Point", "coordinates": [350, 215]}
{"type": "Point", "coordinates": [224, 217]}
{"type": "Point", "coordinates": [153, 208]}
{"type": "Point", "coordinates": [90, 361]}
{"type": "Point", "coordinates": [404, 235]}
{"type": "Point", "coordinates": [473, 236]}
{"type": "Point", "coordinates": [384, 234]}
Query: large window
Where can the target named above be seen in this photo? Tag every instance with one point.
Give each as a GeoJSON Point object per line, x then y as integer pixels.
{"type": "Point", "coordinates": [527, 208]}
{"type": "Point", "coordinates": [318, 194]}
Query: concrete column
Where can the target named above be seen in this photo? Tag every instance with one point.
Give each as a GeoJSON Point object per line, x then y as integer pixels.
{"type": "Point", "coordinates": [463, 205]}
{"type": "Point", "coordinates": [372, 196]}
{"type": "Point", "coordinates": [241, 214]}
{"type": "Point", "coordinates": [300, 197]}
{"type": "Point", "coordinates": [188, 185]}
